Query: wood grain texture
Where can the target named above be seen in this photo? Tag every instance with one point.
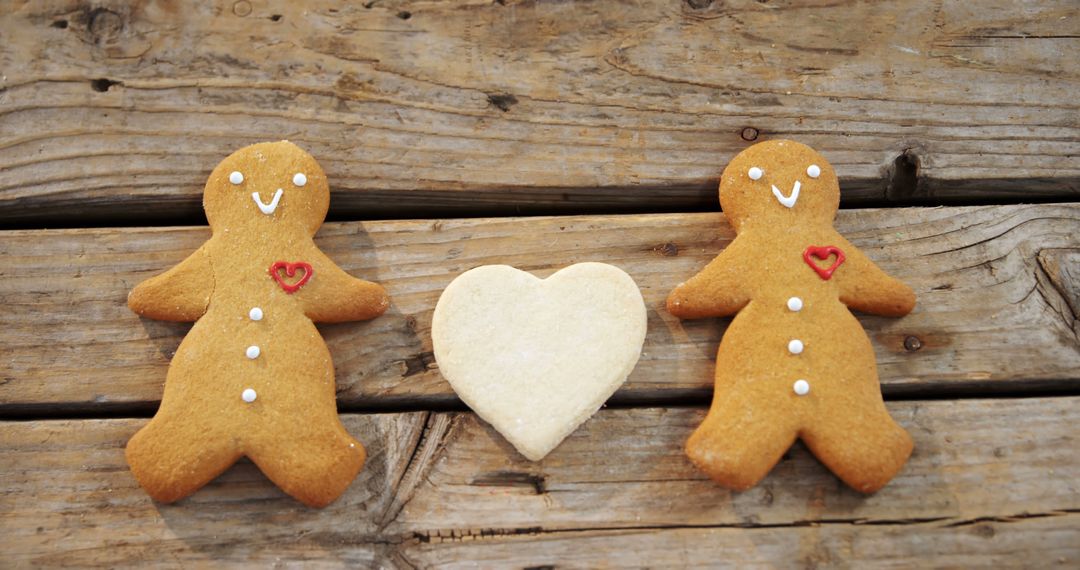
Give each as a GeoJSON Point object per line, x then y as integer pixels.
{"type": "Point", "coordinates": [989, 316]}
{"type": "Point", "coordinates": [973, 459]}
{"type": "Point", "coordinates": [1043, 542]}
{"type": "Point", "coordinates": [989, 478]}
{"type": "Point", "coordinates": [118, 109]}
{"type": "Point", "coordinates": [99, 516]}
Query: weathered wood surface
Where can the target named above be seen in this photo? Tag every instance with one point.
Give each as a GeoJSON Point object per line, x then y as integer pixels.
{"type": "Point", "coordinates": [993, 313]}
{"type": "Point", "coordinates": [990, 479]}
{"type": "Point", "coordinates": [1045, 542]}
{"type": "Point", "coordinates": [116, 110]}
{"type": "Point", "coordinates": [69, 500]}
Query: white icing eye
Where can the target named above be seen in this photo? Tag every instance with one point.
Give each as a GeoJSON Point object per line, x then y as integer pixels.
{"type": "Point", "coordinates": [299, 179]}
{"type": "Point", "coordinates": [813, 171]}
{"type": "Point", "coordinates": [755, 173]}
{"type": "Point", "coordinates": [235, 177]}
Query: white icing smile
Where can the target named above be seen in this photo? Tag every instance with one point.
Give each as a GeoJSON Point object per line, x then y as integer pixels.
{"type": "Point", "coordinates": [788, 201]}
{"type": "Point", "coordinates": [269, 208]}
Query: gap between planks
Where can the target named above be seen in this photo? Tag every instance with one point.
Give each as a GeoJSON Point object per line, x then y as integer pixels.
{"type": "Point", "coordinates": [1055, 388]}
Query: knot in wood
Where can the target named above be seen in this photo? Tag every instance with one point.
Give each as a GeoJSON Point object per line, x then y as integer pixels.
{"type": "Point", "coordinates": [105, 25]}
{"type": "Point", "coordinates": [241, 8]}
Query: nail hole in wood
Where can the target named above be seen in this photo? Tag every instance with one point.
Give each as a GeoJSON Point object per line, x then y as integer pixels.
{"type": "Point", "coordinates": [60, 24]}
{"type": "Point", "coordinates": [502, 101]}
{"type": "Point", "coordinates": [418, 363]}
{"type": "Point", "coordinates": [102, 85]}
{"type": "Point", "coordinates": [404, 15]}
{"type": "Point", "coordinates": [667, 250]}
{"type": "Point", "coordinates": [749, 134]}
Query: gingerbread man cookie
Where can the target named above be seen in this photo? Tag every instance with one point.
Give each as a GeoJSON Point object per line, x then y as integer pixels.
{"type": "Point", "coordinates": [254, 377]}
{"type": "Point", "coordinates": [794, 363]}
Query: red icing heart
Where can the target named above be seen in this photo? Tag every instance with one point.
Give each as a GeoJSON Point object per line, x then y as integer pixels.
{"type": "Point", "coordinates": [823, 252]}
{"type": "Point", "coordinates": [289, 270]}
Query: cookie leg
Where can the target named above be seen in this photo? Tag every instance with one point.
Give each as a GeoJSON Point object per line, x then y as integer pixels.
{"type": "Point", "coordinates": [865, 450]}
{"type": "Point", "coordinates": [739, 442]}
{"type": "Point", "coordinates": [312, 463]}
{"type": "Point", "coordinates": [173, 457]}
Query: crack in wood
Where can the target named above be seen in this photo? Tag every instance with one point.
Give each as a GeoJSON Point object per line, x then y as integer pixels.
{"type": "Point", "coordinates": [436, 428]}
{"type": "Point", "coordinates": [1054, 283]}
{"type": "Point", "coordinates": [534, 481]}
{"type": "Point", "coordinates": [460, 535]}
{"type": "Point", "coordinates": [1014, 518]}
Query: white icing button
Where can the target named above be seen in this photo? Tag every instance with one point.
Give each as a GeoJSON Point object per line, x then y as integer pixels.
{"type": "Point", "coordinates": [813, 171]}
{"type": "Point", "coordinates": [235, 177]}
{"type": "Point", "coordinates": [249, 395]}
{"type": "Point", "coordinates": [794, 304]}
{"type": "Point", "coordinates": [755, 173]}
{"type": "Point", "coordinates": [255, 314]}
{"type": "Point", "coordinates": [801, 387]}
{"type": "Point", "coordinates": [253, 352]}
{"type": "Point", "coordinates": [795, 346]}
{"type": "Point", "coordinates": [299, 179]}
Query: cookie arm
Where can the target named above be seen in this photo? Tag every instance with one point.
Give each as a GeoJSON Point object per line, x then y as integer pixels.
{"type": "Point", "coordinates": [719, 290]}
{"type": "Point", "coordinates": [866, 287]}
{"type": "Point", "coordinates": [334, 296]}
{"type": "Point", "coordinates": [180, 294]}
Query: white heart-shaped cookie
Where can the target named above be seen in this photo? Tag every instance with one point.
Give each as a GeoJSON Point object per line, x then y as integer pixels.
{"type": "Point", "coordinates": [534, 357]}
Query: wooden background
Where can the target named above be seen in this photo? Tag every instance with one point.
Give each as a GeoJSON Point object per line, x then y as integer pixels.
{"type": "Point", "coordinates": [954, 126]}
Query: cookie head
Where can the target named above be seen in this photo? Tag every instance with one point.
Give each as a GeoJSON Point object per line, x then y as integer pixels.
{"type": "Point", "coordinates": [779, 182]}
{"type": "Point", "coordinates": [267, 184]}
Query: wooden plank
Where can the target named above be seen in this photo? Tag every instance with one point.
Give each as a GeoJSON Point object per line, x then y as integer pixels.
{"type": "Point", "coordinates": [983, 471]}
{"type": "Point", "coordinates": [626, 468]}
{"type": "Point", "coordinates": [1044, 542]}
{"type": "Point", "coordinates": [121, 110]}
{"type": "Point", "coordinates": [69, 500]}
{"type": "Point", "coordinates": [990, 317]}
